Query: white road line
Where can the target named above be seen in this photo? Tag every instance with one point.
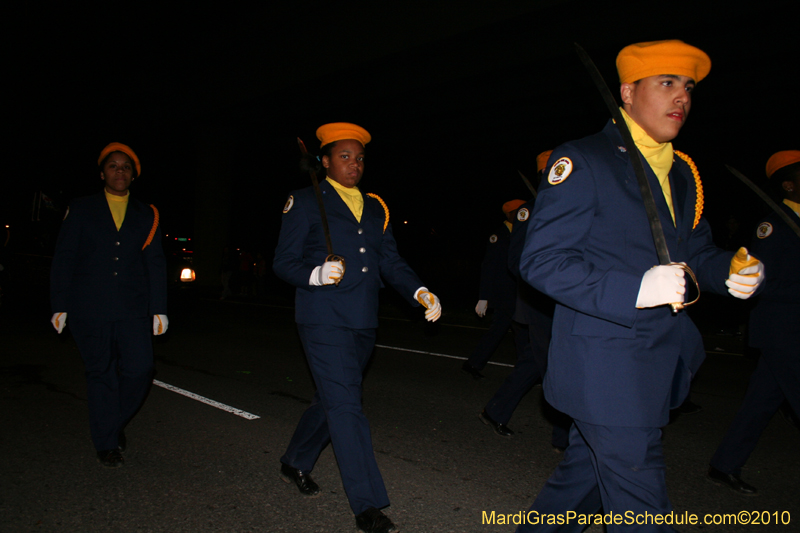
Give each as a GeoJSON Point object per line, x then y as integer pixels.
{"type": "Point", "coordinates": [436, 354]}
{"type": "Point", "coordinates": [212, 403]}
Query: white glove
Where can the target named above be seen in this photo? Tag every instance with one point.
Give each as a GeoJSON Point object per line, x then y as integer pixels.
{"type": "Point", "coordinates": [59, 320]}
{"type": "Point", "coordinates": [160, 324]}
{"type": "Point", "coordinates": [746, 275]}
{"type": "Point", "coordinates": [329, 273]}
{"type": "Point", "coordinates": [431, 303]}
{"type": "Point", "coordinates": [663, 284]}
{"type": "Point", "coordinates": [480, 309]}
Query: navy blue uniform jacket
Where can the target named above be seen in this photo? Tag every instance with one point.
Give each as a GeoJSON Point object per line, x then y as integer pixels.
{"type": "Point", "coordinates": [588, 246]}
{"type": "Point", "coordinates": [100, 273]}
{"type": "Point", "coordinates": [369, 252]}
{"type": "Point", "coordinates": [776, 315]}
{"type": "Point", "coordinates": [498, 284]}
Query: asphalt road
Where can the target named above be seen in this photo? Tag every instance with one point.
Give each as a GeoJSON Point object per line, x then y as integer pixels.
{"type": "Point", "coordinates": [195, 468]}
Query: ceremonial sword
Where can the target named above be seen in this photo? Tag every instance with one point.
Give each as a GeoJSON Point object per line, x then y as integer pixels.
{"type": "Point", "coordinates": [528, 184]}
{"type": "Point", "coordinates": [769, 201]}
{"type": "Point", "coordinates": [644, 186]}
{"type": "Point", "coordinates": [325, 229]}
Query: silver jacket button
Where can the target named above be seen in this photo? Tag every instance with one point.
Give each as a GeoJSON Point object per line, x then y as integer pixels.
{"type": "Point", "coordinates": [365, 269]}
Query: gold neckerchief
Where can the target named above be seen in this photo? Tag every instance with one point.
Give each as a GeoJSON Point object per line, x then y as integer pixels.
{"type": "Point", "coordinates": [658, 156]}
{"type": "Point", "coordinates": [118, 206]}
{"type": "Point", "coordinates": [352, 197]}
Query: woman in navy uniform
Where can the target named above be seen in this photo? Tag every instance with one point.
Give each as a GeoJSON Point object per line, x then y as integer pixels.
{"type": "Point", "coordinates": [619, 359]}
{"type": "Point", "coordinates": [336, 310]}
{"type": "Point", "coordinates": [109, 276]}
{"type": "Point", "coordinates": [773, 329]}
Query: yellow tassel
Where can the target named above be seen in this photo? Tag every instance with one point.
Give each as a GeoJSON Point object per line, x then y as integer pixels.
{"type": "Point", "coordinates": [153, 229]}
{"type": "Point", "coordinates": [698, 207]}
{"type": "Point", "coordinates": [385, 208]}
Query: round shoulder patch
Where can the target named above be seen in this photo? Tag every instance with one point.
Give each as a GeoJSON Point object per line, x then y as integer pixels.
{"type": "Point", "coordinates": [560, 171]}
{"type": "Point", "coordinates": [764, 230]}
{"type": "Point", "coordinates": [289, 204]}
{"type": "Point", "coordinates": [523, 214]}
{"type": "Point", "coordinates": [493, 239]}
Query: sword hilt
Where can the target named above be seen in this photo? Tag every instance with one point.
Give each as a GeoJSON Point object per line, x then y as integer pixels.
{"type": "Point", "coordinates": [677, 306]}
{"type": "Point", "coordinates": [339, 258]}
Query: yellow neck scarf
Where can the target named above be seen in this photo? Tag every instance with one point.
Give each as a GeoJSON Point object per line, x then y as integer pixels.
{"type": "Point", "coordinates": [508, 224]}
{"type": "Point", "coordinates": [658, 156]}
{"type": "Point", "coordinates": [352, 197]}
{"type": "Point", "coordinates": [794, 206]}
{"type": "Point", "coordinates": [118, 206]}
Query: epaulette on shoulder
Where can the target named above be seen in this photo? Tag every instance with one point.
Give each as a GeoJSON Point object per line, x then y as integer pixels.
{"type": "Point", "coordinates": [385, 208]}
{"type": "Point", "coordinates": [698, 208]}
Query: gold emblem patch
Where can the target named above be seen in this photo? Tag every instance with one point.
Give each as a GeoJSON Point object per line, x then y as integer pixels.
{"type": "Point", "coordinates": [493, 239]}
{"type": "Point", "coordinates": [523, 214]}
{"type": "Point", "coordinates": [560, 171]}
{"type": "Point", "coordinates": [289, 204]}
{"type": "Point", "coordinates": [764, 230]}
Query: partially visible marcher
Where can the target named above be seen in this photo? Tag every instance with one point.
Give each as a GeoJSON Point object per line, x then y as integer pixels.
{"type": "Point", "coordinates": [774, 329]}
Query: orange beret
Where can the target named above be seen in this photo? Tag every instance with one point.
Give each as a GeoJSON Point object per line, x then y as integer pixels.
{"type": "Point", "coordinates": [511, 206]}
{"type": "Point", "coordinates": [337, 131]}
{"type": "Point", "coordinates": [541, 160]}
{"type": "Point", "coordinates": [641, 60]}
{"type": "Point", "coordinates": [125, 149]}
{"type": "Point", "coordinates": [781, 159]}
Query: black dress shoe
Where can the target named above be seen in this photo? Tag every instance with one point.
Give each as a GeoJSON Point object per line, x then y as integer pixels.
{"type": "Point", "coordinates": [471, 370]}
{"type": "Point", "coordinates": [689, 408]}
{"type": "Point", "coordinates": [734, 482]}
{"type": "Point", "coordinates": [110, 458]}
{"type": "Point", "coordinates": [302, 480]}
{"type": "Point", "coordinates": [122, 442]}
{"type": "Point", "coordinates": [500, 429]}
{"type": "Point", "coordinates": [374, 521]}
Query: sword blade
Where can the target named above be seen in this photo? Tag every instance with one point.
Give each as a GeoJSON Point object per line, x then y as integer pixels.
{"type": "Point", "coordinates": [318, 193]}
{"type": "Point", "coordinates": [528, 183]}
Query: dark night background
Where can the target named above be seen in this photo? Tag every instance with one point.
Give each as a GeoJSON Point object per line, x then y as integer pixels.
{"type": "Point", "coordinates": [458, 96]}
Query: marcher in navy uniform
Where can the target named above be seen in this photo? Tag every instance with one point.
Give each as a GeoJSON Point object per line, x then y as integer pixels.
{"type": "Point", "coordinates": [336, 309]}
{"type": "Point", "coordinates": [773, 329]}
{"type": "Point", "coordinates": [532, 323]}
{"type": "Point", "coordinates": [619, 359]}
{"type": "Point", "coordinates": [498, 289]}
{"type": "Point", "coordinates": [109, 277]}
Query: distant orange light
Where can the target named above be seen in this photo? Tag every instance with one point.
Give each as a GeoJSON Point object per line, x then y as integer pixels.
{"type": "Point", "coordinates": [405, 222]}
{"type": "Point", "coordinates": [187, 274]}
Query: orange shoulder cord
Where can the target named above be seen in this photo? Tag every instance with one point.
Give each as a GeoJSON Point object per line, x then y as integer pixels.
{"type": "Point", "coordinates": [698, 207]}
{"type": "Point", "coordinates": [153, 229]}
{"type": "Point", "coordinates": [386, 209]}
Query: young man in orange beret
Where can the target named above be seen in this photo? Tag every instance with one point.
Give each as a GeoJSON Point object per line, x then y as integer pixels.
{"type": "Point", "coordinates": [619, 358]}
{"type": "Point", "coordinates": [773, 329]}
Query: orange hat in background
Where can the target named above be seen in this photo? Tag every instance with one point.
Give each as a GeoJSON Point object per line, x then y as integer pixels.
{"type": "Point", "coordinates": [511, 206]}
{"type": "Point", "coordinates": [125, 149]}
{"type": "Point", "coordinates": [641, 60]}
{"type": "Point", "coordinates": [541, 160]}
{"type": "Point", "coordinates": [781, 159]}
{"type": "Point", "coordinates": [337, 131]}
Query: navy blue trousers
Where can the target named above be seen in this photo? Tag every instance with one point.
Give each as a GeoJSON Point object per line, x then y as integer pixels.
{"type": "Point", "coordinates": [775, 379]}
{"type": "Point", "coordinates": [529, 369]}
{"type": "Point", "coordinates": [118, 359]}
{"type": "Point", "coordinates": [337, 358]}
{"type": "Point", "coordinates": [501, 321]}
{"type": "Point", "coordinates": [606, 469]}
